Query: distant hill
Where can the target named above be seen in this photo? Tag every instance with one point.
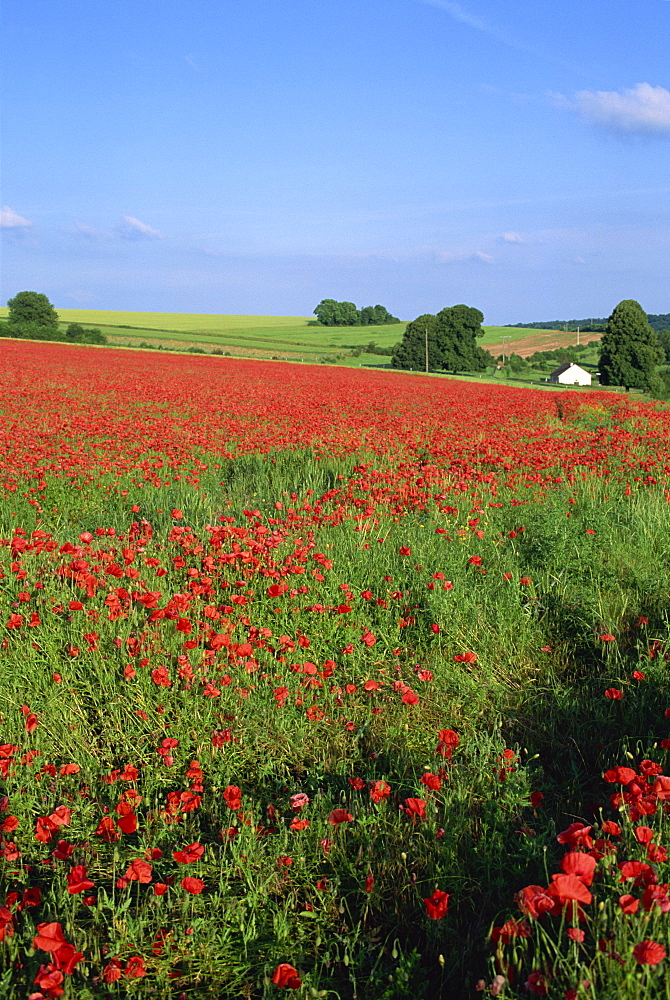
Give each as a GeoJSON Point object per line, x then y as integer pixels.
{"type": "Point", "coordinates": [658, 322]}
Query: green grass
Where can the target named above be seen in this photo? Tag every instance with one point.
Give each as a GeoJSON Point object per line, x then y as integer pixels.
{"type": "Point", "coordinates": [536, 686]}
{"type": "Point", "coordinates": [287, 337]}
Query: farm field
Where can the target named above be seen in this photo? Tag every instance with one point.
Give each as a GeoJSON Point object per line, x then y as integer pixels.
{"type": "Point", "coordinates": [285, 337]}
{"type": "Point", "coordinates": [329, 683]}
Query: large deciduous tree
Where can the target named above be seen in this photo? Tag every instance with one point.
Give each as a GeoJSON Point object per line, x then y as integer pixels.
{"type": "Point", "coordinates": [410, 353]}
{"type": "Point", "coordinates": [32, 315]}
{"type": "Point", "coordinates": [629, 350]}
{"type": "Point", "coordinates": [451, 338]}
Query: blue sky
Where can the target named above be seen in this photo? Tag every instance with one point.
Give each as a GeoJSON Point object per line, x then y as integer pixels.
{"type": "Point", "coordinates": [257, 156]}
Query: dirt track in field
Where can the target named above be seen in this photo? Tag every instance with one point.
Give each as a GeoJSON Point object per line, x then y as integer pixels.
{"type": "Point", "coordinates": [540, 340]}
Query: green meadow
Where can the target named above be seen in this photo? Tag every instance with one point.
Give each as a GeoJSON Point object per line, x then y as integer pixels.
{"type": "Point", "coordinates": [284, 337]}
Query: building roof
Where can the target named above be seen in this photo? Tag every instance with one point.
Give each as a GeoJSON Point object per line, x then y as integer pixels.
{"type": "Point", "coordinates": [566, 367]}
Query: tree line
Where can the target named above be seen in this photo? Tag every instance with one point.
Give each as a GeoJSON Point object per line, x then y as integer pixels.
{"type": "Point", "coordinates": [330, 312]}
{"type": "Point", "coordinates": [32, 317]}
{"type": "Point", "coordinates": [658, 321]}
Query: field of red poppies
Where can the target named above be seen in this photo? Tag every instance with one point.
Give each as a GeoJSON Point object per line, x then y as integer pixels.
{"type": "Point", "coordinates": [329, 683]}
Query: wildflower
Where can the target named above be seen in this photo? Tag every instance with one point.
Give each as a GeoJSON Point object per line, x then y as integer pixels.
{"type": "Point", "coordinates": [286, 976]}
{"type": "Point", "coordinates": [416, 808]}
{"type": "Point", "coordinates": [299, 801]}
{"type": "Point", "coordinates": [436, 905]}
{"type": "Point", "coordinates": [338, 816]}
{"type": "Point", "coordinates": [192, 885]}
{"type": "Point", "coordinates": [648, 952]}
{"type": "Point", "coordinates": [189, 854]}
{"type": "Point", "coordinates": [379, 791]}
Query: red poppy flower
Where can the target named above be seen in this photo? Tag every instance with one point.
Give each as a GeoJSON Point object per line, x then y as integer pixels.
{"type": "Point", "coordinates": [436, 905]}
{"type": "Point", "coordinates": [192, 885]}
{"type": "Point", "coordinates": [620, 775]}
{"type": "Point", "coordinates": [233, 797]}
{"type": "Point", "coordinates": [628, 903]}
{"type": "Point", "coordinates": [448, 740]}
{"type": "Point", "coordinates": [379, 791]}
{"type": "Point", "coordinates": [581, 865]}
{"type": "Point", "coordinates": [66, 958]}
{"type": "Point", "coordinates": [468, 657]}
{"type": "Point", "coordinates": [189, 854]}
{"type": "Point", "coordinates": [139, 871]}
{"type": "Point", "coordinates": [286, 976]}
{"type": "Point", "coordinates": [135, 967]}
{"type": "Point", "coordinates": [49, 937]}
{"type": "Point", "coordinates": [77, 881]}
{"type": "Point", "coordinates": [649, 952]}
{"type": "Point", "coordinates": [614, 694]}
{"type": "Point", "coordinates": [537, 984]}
{"type": "Point", "coordinates": [112, 971]}
{"type": "Point", "coordinates": [568, 888]}
{"type": "Point", "coordinates": [338, 816]}
{"type": "Point", "coordinates": [576, 834]}
{"type": "Point", "coordinates": [416, 808]}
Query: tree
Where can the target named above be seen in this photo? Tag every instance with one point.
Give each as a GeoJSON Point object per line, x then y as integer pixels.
{"type": "Point", "coordinates": [457, 330]}
{"type": "Point", "coordinates": [82, 335]}
{"type": "Point", "coordinates": [329, 312]}
{"type": "Point", "coordinates": [377, 315]}
{"type": "Point", "coordinates": [630, 351]}
{"type": "Point", "coordinates": [452, 342]}
{"type": "Point", "coordinates": [410, 353]}
{"type": "Point", "coordinates": [31, 314]}
{"type": "Point", "coordinates": [664, 343]}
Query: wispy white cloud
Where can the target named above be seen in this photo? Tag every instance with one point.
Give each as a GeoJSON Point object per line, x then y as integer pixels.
{"type": "Point", "coordinates": [510, 237]}
{"type": "Point", "coordinates": [641, 110]}
{"type": "Point", "coordinates": [9, 219]}
{"type": "Point", "coordinates": [459, 13]}
{"type": "Point", "coordinates": [89, 232]}
{"type": "Point", "coordinates": [131, 228]}
{"type": "Point", "coordinates": [462, 257]}
{"type": "Point", "coordinates": [80, 295]}
{"type": "Point", "coordinates": [191, 61]}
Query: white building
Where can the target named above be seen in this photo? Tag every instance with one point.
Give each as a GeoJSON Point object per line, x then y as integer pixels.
{"type": "Point", "coordinates": [570, 374]}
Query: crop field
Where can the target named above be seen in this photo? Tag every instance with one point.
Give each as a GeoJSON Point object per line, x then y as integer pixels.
{"type": "Point", "coordinates": [284, 337]}
{"type": "Point", "coordinates": [329, 683]}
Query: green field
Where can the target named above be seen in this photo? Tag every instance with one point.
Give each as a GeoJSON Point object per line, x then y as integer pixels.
{"type": "Point", "coordinates": [285, 337]}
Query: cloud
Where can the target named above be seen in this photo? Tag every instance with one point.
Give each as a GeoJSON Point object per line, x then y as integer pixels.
{"type": "Point", "coordinates": [462, 256]}
{"type": "Point", "coordinates": [191, 61]}
{"type": "Point", "coordinates": [460, 14]}
{"type": "Point", "coordinates": [463, 16]}
{"type": "Point", "coordinates": [133, 229]}
{"type": "Point", "coordinates": [642, 110]}
{"type": "Point", "coordinates": [82, 229]}
{"type": "Point", "coordinates": [80, 295]}
{"type": "Point", "coordinates": [9, 219]}
{"type": "Point", "coordinates": [511, 237]}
